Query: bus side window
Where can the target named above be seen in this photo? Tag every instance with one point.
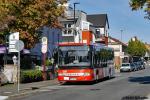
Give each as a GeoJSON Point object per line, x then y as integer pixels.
{"type": "Point", "coordinates": [90, 58]}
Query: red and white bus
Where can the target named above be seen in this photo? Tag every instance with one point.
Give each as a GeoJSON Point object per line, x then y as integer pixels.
{"type": "Point", "coordinates": [80, 62]}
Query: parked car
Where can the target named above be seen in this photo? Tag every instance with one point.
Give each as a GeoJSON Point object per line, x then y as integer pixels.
{"type": "Point", "coordinates": [127, 67]}
{"type": "Point", "coordinates": [134, 66]}
{"type": "Point", "coordinates": [142, 64]}
{"type": "Point", "coordinates": [137, 66]}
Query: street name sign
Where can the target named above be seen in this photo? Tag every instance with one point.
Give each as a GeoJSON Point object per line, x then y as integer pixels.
{"type": "Point", "coordinates": [13, 37]}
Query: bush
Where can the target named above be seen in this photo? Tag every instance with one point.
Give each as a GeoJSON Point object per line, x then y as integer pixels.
{"type": "Point", "coordinates": [28, 76]}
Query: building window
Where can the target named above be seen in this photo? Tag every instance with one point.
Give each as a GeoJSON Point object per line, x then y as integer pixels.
{"type": "Point", "coordinates": [97, 33]}
{"type": "Point", "coordinates": [68, 30]}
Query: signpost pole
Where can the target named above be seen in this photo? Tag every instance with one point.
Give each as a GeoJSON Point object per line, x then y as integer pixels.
{"type": "Point", "coordinates": [44, 50]}
{"type": "Point", "coordinates": [19, 45]}
{"type": "Point", "coordinates": [44, 69]}
{"type": "Point", "coordinates": [16, 45]}
{"type": "Point", "coordinates": [18, 70]}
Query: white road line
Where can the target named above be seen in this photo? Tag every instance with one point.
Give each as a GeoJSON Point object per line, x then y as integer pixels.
{"type": "Point", "coordinates": [3, 97]}
{"type": "Point", "coordinates": [45, 90]}
{"type": "Point", "coordinates": [56, 87]}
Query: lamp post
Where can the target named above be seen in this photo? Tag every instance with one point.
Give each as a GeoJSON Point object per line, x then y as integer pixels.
{"type": "Point", "coordinates": [74, 10]}
{"type": "Point", "coordinates": [121, 35]}
{"type": "Point", "coordinates": [5, 54]}
{"type": "Point", "coordinates": [14, 60]}
{"type": "Point", "coordinates": [121, 48]}
{"type": "Point", "coordinates": [17, 61]}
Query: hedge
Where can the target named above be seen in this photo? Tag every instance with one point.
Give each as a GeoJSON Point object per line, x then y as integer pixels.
{"type": "Point", "coordinates": [28, 76]}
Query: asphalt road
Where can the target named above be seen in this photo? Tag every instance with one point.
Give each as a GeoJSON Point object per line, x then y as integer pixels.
{"type": "Point", "coordinates": [126, 86]}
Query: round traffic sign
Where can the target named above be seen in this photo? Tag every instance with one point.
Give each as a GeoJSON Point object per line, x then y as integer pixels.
{"type": "Point", "coordinates": [44, 40]}
{"type": "Point", "coordinates": [19, 45]}
{"type": "Point", "coordinates": [44, 48]}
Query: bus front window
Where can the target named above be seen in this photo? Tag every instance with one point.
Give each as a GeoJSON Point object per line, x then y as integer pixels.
{"type": "Point", "coordinates": [74, 58]}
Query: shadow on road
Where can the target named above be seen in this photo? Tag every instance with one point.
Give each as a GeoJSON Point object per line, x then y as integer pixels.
{"type": "Point", "coordinates": [86, 83]}
{"type": "Point", "coordinates": [141, 80]}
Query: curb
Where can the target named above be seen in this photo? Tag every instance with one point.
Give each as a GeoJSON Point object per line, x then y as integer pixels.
{"type": "Point", "coordinates": [22, 94]}
{"type": "Point", "coordinates": [28, 91]}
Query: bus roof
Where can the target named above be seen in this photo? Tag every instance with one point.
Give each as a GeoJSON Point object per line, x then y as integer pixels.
{"type": "Point", "coordinates": [94, 45]}
{"type": "Point", "coordinates": [71, 44]}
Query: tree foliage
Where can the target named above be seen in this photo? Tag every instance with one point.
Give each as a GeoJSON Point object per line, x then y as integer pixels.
{"type": "Point", "coordinates": [28, 16]}
{"type": "Point", "coordinates": [136, 48]}
{"type": "Point", "coordinates": [141, 4]}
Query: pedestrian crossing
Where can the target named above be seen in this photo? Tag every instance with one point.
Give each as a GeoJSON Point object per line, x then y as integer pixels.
{"type": "Point", "coordinates": [3, 97]}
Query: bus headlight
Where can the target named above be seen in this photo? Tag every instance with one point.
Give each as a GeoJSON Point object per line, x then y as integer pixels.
{"type": "Point", "coordinates": [60, 74]}
{"type": "Point", "coordinates": [87, 74]}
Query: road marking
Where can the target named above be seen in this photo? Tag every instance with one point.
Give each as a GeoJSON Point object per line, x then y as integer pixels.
{"type": "Point", "coordinates": [3, 97]}
{"type": "Point", "coordinates": [8, 92]}
{"type": "Point", "coordinates": [56, 87]}
{"type": "Point", "coordinates": [45, 90]}
{"type": "Point", "coordinates": [52, 88]}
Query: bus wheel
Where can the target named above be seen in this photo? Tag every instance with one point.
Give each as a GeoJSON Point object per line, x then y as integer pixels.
{"type": "Point", "coordinates": [109, 76]}
{"type": "Point", "coordinates": [97, 78]}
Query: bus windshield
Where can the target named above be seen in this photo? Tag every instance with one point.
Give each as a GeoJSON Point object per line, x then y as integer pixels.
{"type": "Point", "coordinates": [74, 56]}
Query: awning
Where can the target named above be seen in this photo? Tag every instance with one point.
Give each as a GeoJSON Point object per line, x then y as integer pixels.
{"type": "Point", "coordinates": [3, 50]}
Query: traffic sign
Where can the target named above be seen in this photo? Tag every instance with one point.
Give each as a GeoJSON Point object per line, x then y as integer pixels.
{"type": "Point", "coordinates": [12, 40]}
{"type": "Point", "coordinates": [19, 45]}
{"type": "Point", "coordinates": [44, 40]}
{"type": "Point", "coordinates": [44, 45]}
{"type": "Point", "coordinates": [44, 48]}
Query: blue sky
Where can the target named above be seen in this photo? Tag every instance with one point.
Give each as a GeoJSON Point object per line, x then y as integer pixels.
{"type": "Point", "coordinates": [120, 17]}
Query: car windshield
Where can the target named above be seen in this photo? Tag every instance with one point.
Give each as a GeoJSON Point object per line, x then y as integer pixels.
{"type": "Point", "coordinates": [73, 57]}
{"type": "Point", "coordinates": [125, 64]}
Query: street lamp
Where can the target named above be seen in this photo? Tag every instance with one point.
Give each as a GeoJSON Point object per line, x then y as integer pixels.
{"type": "Point", "coordinates": [121, 34]}
{"type": "Point", "coordinates": [121, 48]}
{"type": "Point", "coordinates": [14, 60]}
{"type": "Point", "coordinates": [74, 10]}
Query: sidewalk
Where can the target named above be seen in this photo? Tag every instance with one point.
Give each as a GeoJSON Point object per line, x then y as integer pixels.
{"type": "Point", "coordinates": [11, 89]}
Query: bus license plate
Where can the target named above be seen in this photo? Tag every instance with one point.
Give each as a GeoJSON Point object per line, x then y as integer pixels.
{"type": "Point", "coordinates": [66, 78]}
{"type": "Point", "coordinates": [73, 79]}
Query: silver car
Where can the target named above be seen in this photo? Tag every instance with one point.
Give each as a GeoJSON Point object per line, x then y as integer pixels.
{"type": "Point", "coordinates": [127, 67]}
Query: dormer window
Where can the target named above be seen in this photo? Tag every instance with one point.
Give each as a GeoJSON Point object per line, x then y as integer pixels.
{"type": "Point", "coordinates": [97, 31]}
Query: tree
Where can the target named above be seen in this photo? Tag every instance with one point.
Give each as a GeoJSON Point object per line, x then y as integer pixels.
{"type": "Point", "coordinates": [141, 4]}
{"type": "Point", "coordinates": [27, 17]}
{"type": "Point", "coordinates": [136, 48]}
